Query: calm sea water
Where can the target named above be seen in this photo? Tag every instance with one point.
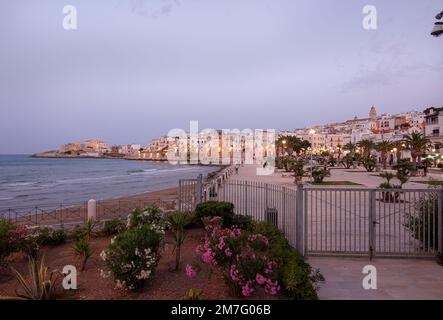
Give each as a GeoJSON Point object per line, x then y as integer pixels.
{"type": "Point", "coordinates": [26, 181]}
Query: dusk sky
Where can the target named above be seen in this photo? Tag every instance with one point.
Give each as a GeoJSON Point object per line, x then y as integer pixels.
{"type": "Point", "coordinates": [134, 69]}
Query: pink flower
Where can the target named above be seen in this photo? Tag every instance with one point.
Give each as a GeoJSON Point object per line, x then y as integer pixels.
{"type": "Point", "coordinates": [208, 257]}
{"type": "Point", "coordinates": [260, 279]}
{"type": "Point", "coordinates": [246, 290]}
{"type": "Point", "coordinates": [228, 252]}
{"type": "Point", "coordinates": [221, 243]}
{"type": "Point", "coordinates": [216, 219]}
{"type": "Point", "coordinates": [190, 272]}
{"type": "Point", "coordinates": [233, 272]}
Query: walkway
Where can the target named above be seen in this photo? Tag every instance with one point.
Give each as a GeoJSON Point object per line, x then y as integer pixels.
{"type": "Point", "coordinates": [397, 278]}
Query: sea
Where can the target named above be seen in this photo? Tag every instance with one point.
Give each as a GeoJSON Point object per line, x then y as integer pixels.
{"type": "Point", "coordinates": [33, 182]}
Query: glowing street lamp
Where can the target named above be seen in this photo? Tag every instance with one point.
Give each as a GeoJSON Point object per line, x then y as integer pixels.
{"type": "Point", "coordinates": [311, 132]}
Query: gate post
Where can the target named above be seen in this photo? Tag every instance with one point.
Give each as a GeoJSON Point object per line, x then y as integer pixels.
{"type": "Point", "coordinates": [372, 217]}
{"type": "Point", "coordinates": [199, 189]}
{"type": "Point", "coordinates": [299, 221]}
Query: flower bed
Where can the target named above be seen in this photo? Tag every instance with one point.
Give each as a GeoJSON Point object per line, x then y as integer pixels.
{"type": "Point", "coordinates": [253, 259]}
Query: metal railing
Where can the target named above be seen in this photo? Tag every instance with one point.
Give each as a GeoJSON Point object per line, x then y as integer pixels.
{"type": "Point", "coordinates": [338, 221]}
{"type": "Point", "coordinates": [69, 215]}
{"type": "Point", "coordinates": [374, 222]}
{"type": "Point", "coordinates": [260, 201]}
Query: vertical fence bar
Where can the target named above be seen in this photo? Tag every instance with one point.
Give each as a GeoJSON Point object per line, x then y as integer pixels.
{"type": "Point", "coordinates": [299, 220]}
{"type": "Point", "coordinates": [372, 204]}
{"type": "Point", "coordinates": [440, 222]}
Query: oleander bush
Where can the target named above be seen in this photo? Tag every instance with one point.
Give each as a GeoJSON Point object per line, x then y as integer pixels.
{"type": "Point", "coordinates": [256, 258]}
{"type": "Point", "coordinates": [113, 227]}
{"type": "Point", "coordinates": [241, 256]}
{"type": "Point", "coordinates": [151, 215]}
{"type": "Point", "coordinates": [210, 209]}
{"type": "Point", "coordinates": [25, 238]}
{"type": "Point", "coordinates": [7, 247]}
{"type": "Point", "coordinates": [297, 278]}
{"type": "Point", "coordinates": [133, 255]}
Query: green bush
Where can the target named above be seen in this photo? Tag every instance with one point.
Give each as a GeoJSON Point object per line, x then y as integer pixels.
{"type": "Point", "coordinates": [297, 278]}
{"type": "Point", "coordinates": [318, 173]}
{"type": "Point", "coordinates": [50, 237]}
{"type": "Point", "coordinates": [6, 247]}
{"type": "Point", "coordinates": [88, 229]}
{"type": "Point", "coordinates": [211, 209]}
{"type": "Point", "coordinates": [150, 215]}
{"type": "Point", "coordinates": [133, 256]}
{"type": "Point", "coordinates": [82, 249]}
{"type": "Point", "coordinates": [423, 222]}
{"type": "Point", "coordinates": [113, 227]}
{"type": "Point", "coordinates": [241, 221]}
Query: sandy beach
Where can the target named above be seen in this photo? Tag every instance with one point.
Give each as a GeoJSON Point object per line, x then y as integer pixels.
{"type": "Point", "coordinates": [106, 209]}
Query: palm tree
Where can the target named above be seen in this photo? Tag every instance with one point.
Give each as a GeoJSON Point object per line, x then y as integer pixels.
{"type": "Point", "coordinates": [351, 147]}
{"type": "Point", "coordinates": [418, 144]}
{"type": "Point", "coordinates": [366, 145]}
{"type": "Point", "coordinates": [384, 147]}
{"type": "Point", "coordinates": [398, 146]}
{"type": "Point", "coordinates": [291, 144]}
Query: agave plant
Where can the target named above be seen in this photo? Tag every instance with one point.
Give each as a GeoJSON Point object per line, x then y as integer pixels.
{"type": "Point", "coordinates": [41, 284]}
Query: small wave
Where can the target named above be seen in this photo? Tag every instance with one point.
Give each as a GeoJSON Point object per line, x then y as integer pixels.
{"type": "Point", "coordinates": [19, 184]}
{"type": "Point", "coordinates": [7, 198]}
{"type": "Point", "coordinates": [141, 171]}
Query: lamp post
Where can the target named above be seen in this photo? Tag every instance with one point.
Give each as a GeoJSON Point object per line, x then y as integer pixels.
{"type": "Point", "coordinates": [437, 31]}
{"type": "Point", "coordinates": [311, 132]}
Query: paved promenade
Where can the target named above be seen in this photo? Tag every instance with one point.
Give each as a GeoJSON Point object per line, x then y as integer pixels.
{"type": "Point", "coordinates": [397, 278]}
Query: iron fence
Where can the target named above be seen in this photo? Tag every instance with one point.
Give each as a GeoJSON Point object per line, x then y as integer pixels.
{"type": "Point", "coordinates": [338, 221]}
{"type": "Point", "coordinates": [72, 214]}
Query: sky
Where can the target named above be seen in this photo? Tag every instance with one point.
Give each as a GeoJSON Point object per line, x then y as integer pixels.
{"type": "Point", "coordinates": [135, 69]}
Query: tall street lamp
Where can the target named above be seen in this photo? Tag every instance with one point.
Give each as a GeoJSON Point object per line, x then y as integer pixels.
{"type": "Point", "coordinates": [312, 132]}
{"type": "Point", "coordinates": [438, 26]}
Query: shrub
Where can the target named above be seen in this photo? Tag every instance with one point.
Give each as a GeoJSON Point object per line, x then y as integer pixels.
{"type": "Point", "coordinates": [82, 249]}
{"type": "Point", "coordinates": [211, 209]}
{"type": "Point", "coordinates": [50, 237]}
{"type": "Point", "coordinates": [6, 246]}
{"type": "Point", "coordinates": [150, 215]}
{"type": "Point", "coordinates": [25, 238]}
{"type": "Point", "coordinates": [297, 278]}
{"type": "Point", "coordinates": [369, 163]}
{"type": "Point", "coordinates": [404, 167]}
{"type": "Point", "coordinates": [242, 221]}
{"type": "Point", "coordinates": [241, 256]}
{"type": "Point", "coordinates": [177, 222]}
{"type": "Point", "coordinates": [318, 173]}
{"type": "Point", "coordinates": [423, 221]}
{"type": "Point", "coordinates": [113, 227]}
{"type": "Point", "coordinates": [132, 256]}
{"type": "Point", "coordinates": [89, 229]}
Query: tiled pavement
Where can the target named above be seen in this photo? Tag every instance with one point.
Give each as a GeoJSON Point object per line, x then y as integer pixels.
{"type": "Point", "coordinates": [396, 278]}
